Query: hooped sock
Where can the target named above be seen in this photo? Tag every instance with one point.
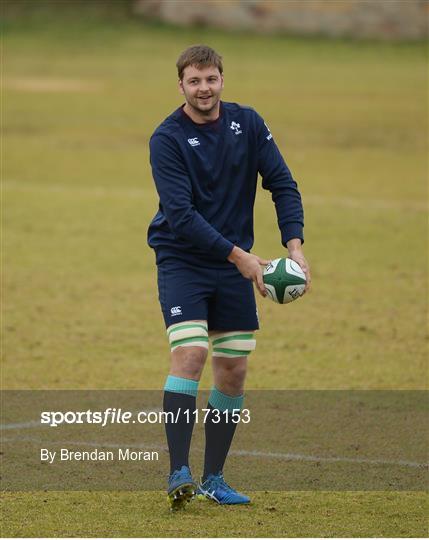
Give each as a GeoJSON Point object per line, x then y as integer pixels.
{"type": "Point", "coordinates": [179, 397]}
{"type": "Point", "coordinates": [219, 433]}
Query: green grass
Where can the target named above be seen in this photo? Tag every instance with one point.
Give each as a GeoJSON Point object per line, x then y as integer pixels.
{"type": "Point", "coordinates": [80, 100]}
{"type": "Point", "coordinates": [270, 515]}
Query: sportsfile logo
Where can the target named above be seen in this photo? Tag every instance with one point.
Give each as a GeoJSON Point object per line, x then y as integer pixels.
{"type": "Point", "coordinates": [235, 126]}
{"type": "Point", "coordinates": [194, 141]}
{"type": "Point", "coordinates": [176, 310]}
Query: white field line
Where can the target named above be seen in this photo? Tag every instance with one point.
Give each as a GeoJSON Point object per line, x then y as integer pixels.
{"type": "Point", "coordinates": [45, 84]}
{"type": "Point", "coordinates": [366, 204]}
{"type": "Point", "coordinates": [315, 200]}
{"type": "Point", "coordinates": [94, 191]}
{"type": "Point", "coordinates": [303, 457]}
{"type": "Point", "coordinates": [250, 453]}
{"type": "Point", "coordinates": [21, 425]}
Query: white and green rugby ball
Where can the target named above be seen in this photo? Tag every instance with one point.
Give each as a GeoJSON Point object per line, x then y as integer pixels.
{"type": "Point", "coordinates": [284, 280]}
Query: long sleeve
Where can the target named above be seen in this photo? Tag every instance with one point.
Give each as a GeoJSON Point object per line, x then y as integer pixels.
{"type": "Point", "coordinates": [175, 192]}
{"type": "Point", "coordinates": [277, 178]}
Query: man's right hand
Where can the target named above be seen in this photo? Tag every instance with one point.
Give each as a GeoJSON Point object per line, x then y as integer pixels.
{"type": "Point", "coordinates": [249, 266]}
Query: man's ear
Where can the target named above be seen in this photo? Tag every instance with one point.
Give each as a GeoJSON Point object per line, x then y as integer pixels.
{"type": "Point", "coordinates": [181, 86]}
{"type": "Point", "coordinates": [221, 77]}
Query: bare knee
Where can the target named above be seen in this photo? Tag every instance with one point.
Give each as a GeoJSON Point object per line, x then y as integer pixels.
{"type": "Point", "coordinates": [188, 362]}
{"type": "Point", "coordinates": [230, 374]}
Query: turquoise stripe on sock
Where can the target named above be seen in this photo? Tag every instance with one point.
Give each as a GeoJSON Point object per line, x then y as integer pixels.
{"type": "Point", "coordinates": [181, 386]}
{"type": "Point", "coordinates": [221, 401]}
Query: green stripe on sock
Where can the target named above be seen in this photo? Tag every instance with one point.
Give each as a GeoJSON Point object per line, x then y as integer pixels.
{"type": "Point", "coordinates": [232, 338]}
{"type": "Point", "coordinates": [185, 326]}
{"type": "Point", "coordinates": [222, 402]}
{"type": "Point", "coordinates": [189, 340]}
{"type": "Point", "coordinates": [179, 385]}
{"type": "Point", "coordinates": [231, 351]}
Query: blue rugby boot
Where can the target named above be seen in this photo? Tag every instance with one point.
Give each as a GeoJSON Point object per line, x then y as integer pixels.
{"type": "Point", "coordinates": [181, 488]}
{"type": "Point", "coordinates": [216, 489]}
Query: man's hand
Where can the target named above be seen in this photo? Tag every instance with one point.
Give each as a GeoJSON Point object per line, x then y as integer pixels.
{"type": "Point", "coordinates": [296, 254]}
{"type": "Point", "coordinates": [250, 267]}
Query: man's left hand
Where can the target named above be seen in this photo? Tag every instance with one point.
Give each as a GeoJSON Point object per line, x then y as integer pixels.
{"type": "Point", "coordinates": [297, 255]}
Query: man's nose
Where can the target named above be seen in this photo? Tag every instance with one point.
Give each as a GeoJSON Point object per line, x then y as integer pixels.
{"type": "Point", "coordinates": [204, 86]}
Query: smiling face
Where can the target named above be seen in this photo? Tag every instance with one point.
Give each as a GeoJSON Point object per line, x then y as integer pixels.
{"type": "Point", "coordinates": [202, 89]}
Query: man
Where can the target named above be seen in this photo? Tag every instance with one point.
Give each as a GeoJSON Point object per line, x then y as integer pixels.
{"type": "Point", "coordinates": [205, 160]}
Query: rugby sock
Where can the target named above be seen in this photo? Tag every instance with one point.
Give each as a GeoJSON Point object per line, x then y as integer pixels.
{"type": "Point", "coordinates": [179, 397]}
{"type": "Point", "coordinates": [219, 434]}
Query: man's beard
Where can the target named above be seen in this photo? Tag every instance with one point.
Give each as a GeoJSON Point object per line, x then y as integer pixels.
{"type": "Point", "coordinates": [205, 112]}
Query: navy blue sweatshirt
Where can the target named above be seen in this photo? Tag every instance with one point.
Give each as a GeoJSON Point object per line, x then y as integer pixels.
{"type": "Point", "coordinates": [206, 177]}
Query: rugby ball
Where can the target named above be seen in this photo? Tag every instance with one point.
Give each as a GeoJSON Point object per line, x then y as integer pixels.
{"type": "Point", "coordinates": [284, 280]}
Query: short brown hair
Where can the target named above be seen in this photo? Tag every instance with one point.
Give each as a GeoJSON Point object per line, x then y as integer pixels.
{"type": "Point", "coordinates": [199, 56]}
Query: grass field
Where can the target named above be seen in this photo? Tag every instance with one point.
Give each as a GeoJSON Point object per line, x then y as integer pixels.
{"type": "Point", "coordinates": [81, 97]}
